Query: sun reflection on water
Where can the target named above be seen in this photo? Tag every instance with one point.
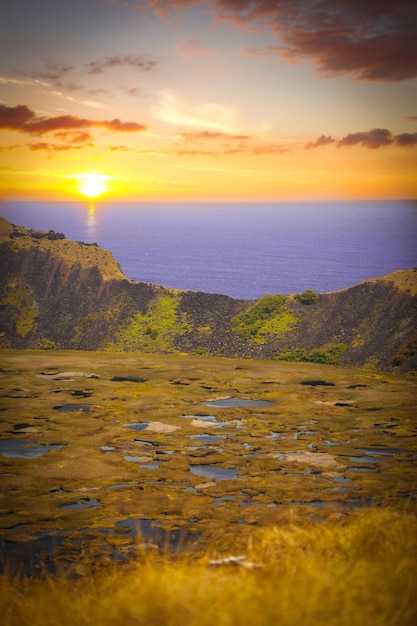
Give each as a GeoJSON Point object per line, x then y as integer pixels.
{"type": "Point", "coordinates": [91, 220]}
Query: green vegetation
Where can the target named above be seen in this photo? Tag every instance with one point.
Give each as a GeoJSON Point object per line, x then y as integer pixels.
{"type": "Point", "coordinates": [266, 318]}
{"type": "Point", "coordinates": [327, 355]}
{"type": "Point", "coordinates": [154, 331]}
{"type": "Point", "coordinates": [20, 297]}
{"type": "Point", "coordinates": [361, 571]}
{"type": "Point", "coordinates": [307, 297]}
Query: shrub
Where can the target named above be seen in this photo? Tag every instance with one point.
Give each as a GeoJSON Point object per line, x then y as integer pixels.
{"type": "Point", "coordinates": [326, 355]}
{"type": "Point", "coordinates": [268, 316]}
{"type": "Point", "coordinates": [307, 297]}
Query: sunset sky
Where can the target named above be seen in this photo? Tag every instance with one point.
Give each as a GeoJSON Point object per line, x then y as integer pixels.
{"type": "Point", "coordinates": [194, 100]}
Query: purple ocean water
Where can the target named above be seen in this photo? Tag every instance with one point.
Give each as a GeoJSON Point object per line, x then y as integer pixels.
{"type": "Point", "coordinates": [243, 250]}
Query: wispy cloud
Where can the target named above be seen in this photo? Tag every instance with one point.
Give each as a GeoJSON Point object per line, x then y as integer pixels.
{"type": "Point", "coordinates": [206, 135]}
{"type": "Point", "coordinates": [373, 40]}
{"type": "Point", "coordinates": [372, 139]}
{"type": "Point", "coordinates": [141, 62]}
{"type": "Point", "coordinates": [4, 80]}
{"type": "Point", "coordinates": [218, 143]}
{"type": "Point", "coordinates": [211, 115]}
{"type": "Point", "coordinates": [193, 47]}
{"type": "Point", "coordinates": [52, 147]}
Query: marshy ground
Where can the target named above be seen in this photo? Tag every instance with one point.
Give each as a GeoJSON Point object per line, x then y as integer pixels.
{"type": "Point", "coordinates": [107, 457]}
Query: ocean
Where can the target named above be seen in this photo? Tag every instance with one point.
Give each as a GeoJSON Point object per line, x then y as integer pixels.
{"type": "Point", "coordinates": [243, 250]}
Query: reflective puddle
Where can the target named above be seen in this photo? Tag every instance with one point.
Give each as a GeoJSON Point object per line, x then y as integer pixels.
{"type": "Point", "coordinates": [226, 403]}
{"type": "Point", "coordinates": [201, 418]}
{"type": "Point", "coordinates": [148, 531]}
{"type": "Point", "coordinates": [206, 438]}
{"type": "Point", "coordinates": [71, 408]}
{"type": "Point", "coordinates": [14, 449]}
{"type": "Point", "coordinates": [80, 505]}
{"type": "Point", "coordinates": [137, 425]}
{"type": "Point", "coordinates": [214, 472]}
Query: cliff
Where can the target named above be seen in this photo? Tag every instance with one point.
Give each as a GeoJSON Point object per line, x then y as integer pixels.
{"type": "Point", "coordinates": [56, 293]}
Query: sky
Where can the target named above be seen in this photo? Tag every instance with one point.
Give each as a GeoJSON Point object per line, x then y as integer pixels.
{"type": "Point", "coordinates": [208, 100]}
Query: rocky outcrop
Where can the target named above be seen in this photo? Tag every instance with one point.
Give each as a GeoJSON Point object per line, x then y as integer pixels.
{"type": "Point", "coordinates": [56, 293]}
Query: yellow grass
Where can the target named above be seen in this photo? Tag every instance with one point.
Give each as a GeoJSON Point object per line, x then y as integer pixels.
{"type": "Point", "coordinates": [350, 571]}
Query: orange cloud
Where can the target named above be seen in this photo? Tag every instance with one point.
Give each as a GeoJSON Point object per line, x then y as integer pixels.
{"type": "Point", "coordinates": [52, 147]}
{"type": "Point", "coordinates": [204, 135]}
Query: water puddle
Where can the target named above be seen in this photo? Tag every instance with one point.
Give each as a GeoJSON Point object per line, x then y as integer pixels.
{"type": "Point", "coordinates": [30, 557]}
{"type": "Point", "coordinates": [214, 472]}
{"type": "Point", "coordinates": [71, 408]}
{"type": "Point", "coordinates": [274, 435]}
{"type": "Point", "coordinates": [17, 449]}
{"type": "Point", "coordinates": [142, 462]}
{"type": "Point", "coordinates": [206, 438]}
{"type": "Point", "coordinates": [381, 451]}
{"type": "Point", "coordinates": [227, 403]}
{"type": "Point", "coordinates": [52, 552]}
{"type": "Point", "coordinates": [107, 448]}
{"type": "Point", "coordinates": [79, 393]}
{"type": "Point", "coordinates": [137, 425]}
{"type": "Point", "coordinates": [128, 379]}
{"type": "Point", "coordinates": [317, 383]}
{"type": "Point", "coordinates": [201, 418]}
{"type": "Point", "coordinates": [367, 458]}
{"type": "Point", "coordinates": [120, 485]}
{"type": "Point", "coordinates": [148, 531]}
{"type": "Point", "coordinates": [81, 505]}
{"type": "Point", "coordinates": [341, 479]}
{"type": "Point", "coordinates": [334, 505]}
{"type": "Point", "coordinates": [222, 499]}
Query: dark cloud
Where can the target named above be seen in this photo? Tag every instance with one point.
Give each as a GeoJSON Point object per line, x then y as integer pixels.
{"type": "Point", "coordinates": [412, 118]}
{"type": "Point", "coordinates": [142, 62]}
{"type": "Point", "coordinates": [321, 141]}
{"type": "Point", "coordinates": [15, 118]}
{"type": "Point", "coordinates": [373, 139]}
{"type": "Point", "coordinates": [406, 139]}
{"type": "Point", "coordinates": [20, 118]}
{"type": "Point", "coordinates": [373, 40]}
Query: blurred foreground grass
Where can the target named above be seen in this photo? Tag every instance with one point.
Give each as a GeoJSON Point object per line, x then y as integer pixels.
{"type": "Point", "coordinates": [347, 571]}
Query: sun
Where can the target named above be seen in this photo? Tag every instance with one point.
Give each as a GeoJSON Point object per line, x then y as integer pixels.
{"type": "Point", "coordinates": [92, 184]}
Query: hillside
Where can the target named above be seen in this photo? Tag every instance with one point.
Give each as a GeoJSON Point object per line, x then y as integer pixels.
{"type": "Point", "coordinates": [56, 293]}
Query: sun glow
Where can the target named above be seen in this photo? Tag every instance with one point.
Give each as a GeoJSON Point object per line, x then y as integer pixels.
{"type": "Point", "coordinates": [92, 184]}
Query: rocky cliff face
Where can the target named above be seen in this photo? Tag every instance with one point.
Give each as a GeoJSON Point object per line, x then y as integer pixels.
{"type": "Point", "coordinates": [56, 293]}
